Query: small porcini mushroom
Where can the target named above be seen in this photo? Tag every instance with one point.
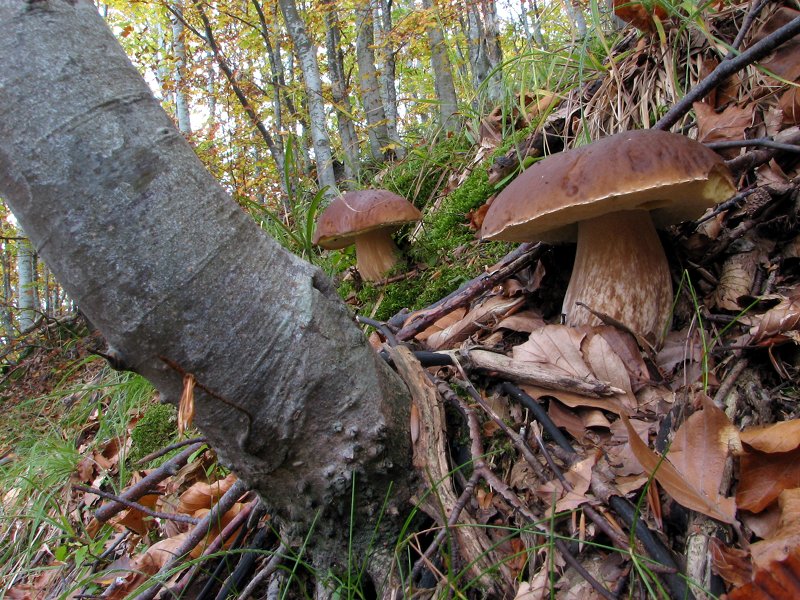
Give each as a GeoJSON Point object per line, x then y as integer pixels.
{"type": "Point", "coordinates": [609, 196]}
{"type": "Point", "coordinates": [366, 218]}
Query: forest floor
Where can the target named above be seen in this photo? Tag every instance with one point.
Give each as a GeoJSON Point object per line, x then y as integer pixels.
{"type": "Point", "coordinates": [646, 470]}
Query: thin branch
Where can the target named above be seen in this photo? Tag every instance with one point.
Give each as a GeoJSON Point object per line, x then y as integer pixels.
{"type": "Point", "coordinates": [763, 142]}
{"type": "Point", "coordinates": [197, 534]}
{"type": "Point", "coordinates": [747, 23]}
{"type": "Point", "coordinates": [726, 68]}
{"type": "Point", "coordinates": [145, 485]}
{"type": "Point", "coordinates": [135, 505]}
{"type": "Point", "coordinates": [168, 449]}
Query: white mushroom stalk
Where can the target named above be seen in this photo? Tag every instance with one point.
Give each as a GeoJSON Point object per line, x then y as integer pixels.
{"type": "Point", "coordinates": [621, 271]}
{"type": "Point", "coordinates": [376, 254]}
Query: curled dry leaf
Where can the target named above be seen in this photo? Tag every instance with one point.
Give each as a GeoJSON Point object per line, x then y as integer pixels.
{"type": "Point", "coordinates": [486, 314]}
{"type": "Point", "coordinates": [683, 491]}
{"type": "Point", "coordinates": [778, 325]}
{"type": "Point", "coordinates": [787, 535]}
{"type": "Point", "coordinates": [730, 124]}
{"type": "Point", "coordinates": [777, 437]}
{"type": "Point", "coordinates": [203, 495]}
{"type": "Point", "coordinates": [763, 476]}
{"type": "Point", "coordinates": [778, 581]}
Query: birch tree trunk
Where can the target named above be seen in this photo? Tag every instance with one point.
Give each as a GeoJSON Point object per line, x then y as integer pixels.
{"type": "Point", "coordinates": [383, 21]}
{"type": "Point", "coordinates": [442, 71]}
{"type": "Point", "coordinates": [179, 52]}
{"type": "Point", "coordinates": [307, 55]}
{"type": "Point", "coordinates": [179, 280]}
{"type": "Point", "coordinates": [26, 304]}
{"type": "Point", "coordinates": [8, 297]}
{"type": "Point", "coordinates": [370, 87]}
{"type": "Point", "coordinates": [339, 91]}
{"type": "Point", "coordinates": [485, 55]}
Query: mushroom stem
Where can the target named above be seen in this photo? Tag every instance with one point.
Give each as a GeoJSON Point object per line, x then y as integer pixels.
{"type": "Point", "coordinates": [376, 254]}
{"type": "Point", "coordinates": [621, 271]}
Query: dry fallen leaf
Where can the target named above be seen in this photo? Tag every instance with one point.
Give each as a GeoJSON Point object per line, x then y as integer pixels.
{"type": "Point", "coordinates": [558, 347]}
{"type": "Point", "coordinates": [777, 437]}
{"type": "Point", "coordinates": [787, 533]}
{"type": "Point", "coordinates": [684, 492]}
{"type": "Point", "coordinates": [607, 366]}
{"type": "Point", "coordinates": [763, 476]}
{"type": "Point", "coordinates": [778, 325]}
{"type": "Point", "coordinates": [730, 124]}
{"type": "Point", "coordinates": [778, 581]}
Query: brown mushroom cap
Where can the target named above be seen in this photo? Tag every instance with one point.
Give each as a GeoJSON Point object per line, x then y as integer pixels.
{"type": "Point", "coordinates": [671, 176]}
{"type": "Point", "coordinates": [359, 212]}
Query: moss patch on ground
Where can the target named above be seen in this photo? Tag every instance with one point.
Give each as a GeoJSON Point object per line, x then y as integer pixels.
{"type": "Point", "coordinates": [154, 430]}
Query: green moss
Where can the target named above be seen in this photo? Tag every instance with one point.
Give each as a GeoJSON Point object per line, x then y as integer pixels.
{"type": "Point", "coordinates": [154, 430]}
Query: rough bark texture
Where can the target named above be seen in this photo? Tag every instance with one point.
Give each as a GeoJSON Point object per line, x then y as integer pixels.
{"type": "Point", "coordinates": [173, 272]}
{"type": "Point", "coordinates": [442, 71]}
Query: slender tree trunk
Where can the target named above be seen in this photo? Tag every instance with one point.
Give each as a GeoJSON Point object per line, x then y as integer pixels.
{"type": "Point", "coordinates": [339, 91]}
{"type": "Point", "coordinates": [485, 55]}
{"type": "Point", "coordinates": [8, 296]}
{"type": "Point", "coordinates": [442, 72]}
{"type": "Point", "coordinates": [379, 141]}
{"type": "Point", "coordinates": [179, 52]}
{"type": "Point", "coordinates": [26, 304]}
{"type": "Point", "coordinates": [536, 24]}
{"type": "Point", "coordinates": [388, 71]}
{"type": "Point", "coordinates": [307, 55]}
{"type": "Point", "coordinates": [180, 281]}
{"type": "Point", "coordinates": [278, 85]}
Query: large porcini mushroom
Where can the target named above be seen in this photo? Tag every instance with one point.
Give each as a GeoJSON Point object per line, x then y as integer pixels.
{"type": "Point", "coordinates": [366, 218]}
{"type": "Point", "coordinates": [608, 196]}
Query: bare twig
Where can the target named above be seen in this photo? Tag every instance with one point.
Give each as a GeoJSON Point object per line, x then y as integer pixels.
{"type": "Point", "coordinates": [135, 505]}
{"type": "Point", "coordinates": [747, 23]}
{"type": "Point", "coordinates": [195, 536]}
{"type": "Point", "coordinates": [168, 449]}
{"type": "Point", "coordinates": [146, 484]}
{"type": "Point", "coordinates": [524, 255]}
{"type": "Point", "coordinates": [764, 142]}
{"type": "Point", "coordinates": [726, 68]}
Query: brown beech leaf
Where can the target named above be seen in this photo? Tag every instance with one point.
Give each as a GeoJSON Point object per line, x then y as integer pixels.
{"type": "Point", "coordinates": [204, 495]}
{"type": "Point", "coordinates": [558, 347]}
{"type": "Point", "coordinates": [676, 485]}
{"type": "Point", "coordinates": [730, 124]}
{"type": "Point", "coordinates": [787, 533]}
{"type": "Point", "coordinates": [732, 564]}
{"type": "Point", "coordinates": [778, 581]}
{"type": "Point", "coordinates": [777, 437]}
{"type": "Point", "coordinates": [701, 447]}
{"type": "Point", "coordinates": [608, 366]}
{"type": "Point", "coordinates": [446, 321]}
{"type": "Point", "coordinates": [785, 61]}
{"type": "Point", "coordinates": [763, 476]}
{"type": "Point", "coordinates": [779, 324]}
{"type": "Point", "coordinates": [524, 321]}
{"type": "Point", "coordinates": [640, 14]}
{"type": "Point", "coordinates": [611, 403]}
{"type": "Point", "coordinates": [789, 103]}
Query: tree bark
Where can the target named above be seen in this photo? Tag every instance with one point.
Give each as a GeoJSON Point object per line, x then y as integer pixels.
{"type": "Point", "coordinates": [307, 55]}
{"type": "Point", "coordinates": [388, 75]}
{"type": "Point", "coordinates": [370, 87]}
{"type": "Point", "coordinates": [179, 280]}
{"type": "Point", "coordinates": [179, 51]}
{"type": "Point", "coordinates": [339, 91]}
{"type": "Point", "coordinates": [26, 304]}
{"type": "Point", "coordinates": [442, 71]}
